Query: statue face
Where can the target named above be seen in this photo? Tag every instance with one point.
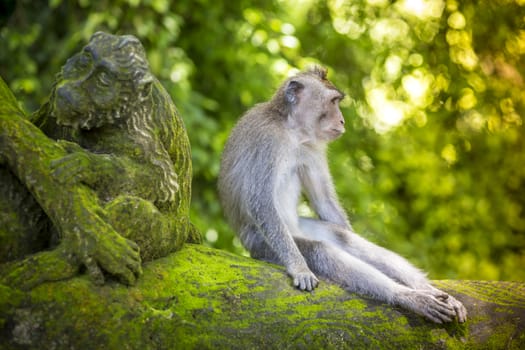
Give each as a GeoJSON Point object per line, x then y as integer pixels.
{"type": "Point", "coordinates": [109, 70]}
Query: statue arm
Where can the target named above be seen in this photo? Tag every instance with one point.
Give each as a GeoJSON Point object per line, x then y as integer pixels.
{"type": "Point", "coordinates": [99, 170]}
{"type": "Point", "coordinates": [73, 209]}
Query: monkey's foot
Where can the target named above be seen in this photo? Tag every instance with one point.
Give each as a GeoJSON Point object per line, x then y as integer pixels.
{"type": "Point", "coordinates": [461, 312]}
{"type": "Point", "coordinates": [36, 269]}
{"type": "Point", "coordinates": [427, 305]}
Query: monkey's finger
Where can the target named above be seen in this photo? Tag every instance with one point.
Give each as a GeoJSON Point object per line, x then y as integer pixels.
{"type": "Point", "coordinates": [298, 282]}
{"type": "Point", "coordinates": [308, 283]}
{"type": "Point", "coordinates": [431, 317]}
{"type": "Point", "coordinates": [459, 309]}
{"type": "Point", "coordinates": [445, 307]}
{"type": "Point", "coordinates": [443, 311]}
{"type": "Point", "coordinates": [438, 312]}
{"type": "Point", "coordinates": [315, 282]}
{"type": "Point", "coordinates": [461, 312]}
{"type": "Point", "coordinates": [434, 318]}
{"type": "Point", "coordinates": [442, 296]}
{"type": "Point", "coordinates": [443, 317]}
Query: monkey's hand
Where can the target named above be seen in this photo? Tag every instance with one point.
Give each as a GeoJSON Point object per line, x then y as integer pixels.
{"type": "Point", "coordinates": [303, 278]}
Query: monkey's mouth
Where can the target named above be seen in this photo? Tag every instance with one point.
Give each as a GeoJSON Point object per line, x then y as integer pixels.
{"type": "Point", "coordinates": [335, 133]}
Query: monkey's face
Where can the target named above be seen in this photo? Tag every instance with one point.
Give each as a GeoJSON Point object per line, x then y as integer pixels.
{"type": "Point", "coordinates": [330, 120]}
{"type": "Point", "coordinates": [96, 83]}
{"type": "Point", "coordinates": [314, 103]}
{"type": "Point", "coordinates": [318, 108]}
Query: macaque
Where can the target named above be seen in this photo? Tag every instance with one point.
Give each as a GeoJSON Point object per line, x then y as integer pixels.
{"type": "Point", "coordinates": [277, 151]}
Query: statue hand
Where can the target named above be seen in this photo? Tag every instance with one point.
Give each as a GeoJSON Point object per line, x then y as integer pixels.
{"type": "Point", "coordinates": [75, 167]}
{"type": "Point", "coordinates": [100, 248]}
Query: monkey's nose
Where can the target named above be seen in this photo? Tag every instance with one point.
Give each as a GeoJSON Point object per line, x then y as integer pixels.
{"type": "Point", "coordinates": [342, 121]}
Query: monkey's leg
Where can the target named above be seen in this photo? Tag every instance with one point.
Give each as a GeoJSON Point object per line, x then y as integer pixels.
{"type": "Point", "coordinates": [388, 262]}
{"type": "Point", "coordinates": [400, 270]}
{"type": "Point", "coordinates": [355, 275]}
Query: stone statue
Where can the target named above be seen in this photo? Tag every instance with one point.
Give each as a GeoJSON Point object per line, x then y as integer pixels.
{"type": "Point", "coordinates": [99, 177]}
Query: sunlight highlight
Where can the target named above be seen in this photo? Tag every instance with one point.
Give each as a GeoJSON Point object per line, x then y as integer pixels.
{"type": "Point", "coordinates": [387, 114]}
{"type": "Point", "coordinates": [389, 30]}
{"type": "Point", "coordinates": [422, 9]}
{"type": "Point", "coordinates": [417, 86]}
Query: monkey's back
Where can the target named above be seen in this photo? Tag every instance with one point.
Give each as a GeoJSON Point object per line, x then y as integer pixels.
{"type": "Point", "coordinates": [248, 166]}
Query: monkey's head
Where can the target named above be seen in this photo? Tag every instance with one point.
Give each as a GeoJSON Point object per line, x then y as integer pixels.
{"type": "Point", "coordinates": [310, 102]}
{"type": "Point", "coordinates": [102, 83]}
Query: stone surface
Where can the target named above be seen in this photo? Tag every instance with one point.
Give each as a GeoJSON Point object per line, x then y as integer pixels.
{"type": "Point", "coordinates": [202, 298]}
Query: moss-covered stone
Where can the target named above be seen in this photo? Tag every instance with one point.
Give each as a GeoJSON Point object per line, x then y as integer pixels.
{"type": "Point", "coordinates": [201, 298]}
{"type": "Point", "coordinates": [103, 169]}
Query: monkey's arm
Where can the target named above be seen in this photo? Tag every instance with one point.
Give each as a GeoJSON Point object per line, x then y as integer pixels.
{"type": "Point", "coordinates": [277, 225]}
{"type": "Point", "coordinates": [319, 188]}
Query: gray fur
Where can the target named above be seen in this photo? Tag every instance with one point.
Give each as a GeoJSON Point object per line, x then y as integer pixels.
{"type": "Point", "coordinates": [277, 150]}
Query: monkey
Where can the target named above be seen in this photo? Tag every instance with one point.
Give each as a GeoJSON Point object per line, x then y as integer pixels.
{"type": "Point", "coordinates": [278, 150]}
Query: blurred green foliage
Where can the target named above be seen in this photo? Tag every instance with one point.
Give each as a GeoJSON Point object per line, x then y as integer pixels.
{"type": "Point", "coordinates": [433, 161]}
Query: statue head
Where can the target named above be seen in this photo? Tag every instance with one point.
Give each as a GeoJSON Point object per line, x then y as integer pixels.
{"type": "Point", "coordinates": [100, 84]}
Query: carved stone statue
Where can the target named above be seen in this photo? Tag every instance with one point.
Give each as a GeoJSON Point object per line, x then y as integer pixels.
{"type": "Point", "coordinates": [99, 177]}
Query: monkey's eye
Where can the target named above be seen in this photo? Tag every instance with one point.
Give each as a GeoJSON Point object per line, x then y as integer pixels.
{"type": "Point", "coordinates": [322, 116]}
{"type": "Point", "coordinates": [103, 79]}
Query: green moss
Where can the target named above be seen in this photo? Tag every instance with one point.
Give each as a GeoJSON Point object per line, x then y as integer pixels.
{"type": "Point", "coordinates": [201, 298]}
{"type": "Point", "coordinates": [502, 293]}
{"type": "Point", "coordinates": [9, 299]}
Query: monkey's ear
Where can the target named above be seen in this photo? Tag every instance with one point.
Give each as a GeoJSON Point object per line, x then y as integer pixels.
{"type": "Point", "coordinates": [292, 91]}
